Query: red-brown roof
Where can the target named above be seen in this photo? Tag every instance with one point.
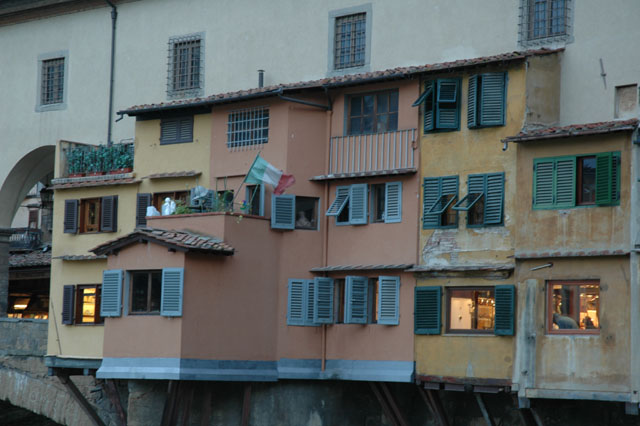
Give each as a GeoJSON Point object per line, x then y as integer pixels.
{"type": "Point", "coordinates": [574, 130]}
{"type": "Point", "coordinates": [172, 174]}
{"type": "Point", "coordinates": [32, 258]}
{"type": "Point", "coordinates": [338, 81]}
{"type": "Point", "coordinates": [78, 257]}
{"type": "Point", "coordinates": [177, 240]}
{"type": "Point", "coordinates": [104, 182]}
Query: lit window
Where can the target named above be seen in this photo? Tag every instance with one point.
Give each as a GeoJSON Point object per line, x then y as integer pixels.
{"type": "Point", "coordinates": [471, 310]}
{"type": "Point", "coordinates": [88, 305]}
{"type": "Point", "coordinates": [573, 307]}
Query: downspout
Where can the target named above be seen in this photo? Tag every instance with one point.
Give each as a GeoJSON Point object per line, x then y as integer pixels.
{"type": "Point", "coordinates": [325, 233]}
{"type": "Point", "coordinates": [634, 264]}
{"type": "Point", "coordinates": [114, 18]}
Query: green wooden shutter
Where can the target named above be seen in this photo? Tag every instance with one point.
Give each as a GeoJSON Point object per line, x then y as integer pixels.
{"type": "Point", "coordinates": [295, 302]}
{"type": "Point", "coordinates": [472, 100]}
{"type": "Point", "coordinates": [447, 111]}
{"type": "Point", "coordinates": [70, 225]}
{"type": "Point", "coordinates": [430, 195]}
{"type": "Point", "coordinates": [615, 177]}
{"type": "Point", "coordinates": [450, 186]}
{"type": "Point", "coordinates": [109, 214]}
{"type": "Point", "coordinates": [172, 292]}
{"type": "Point", "coordinates": [429, 107]}
{"type": "Point", "coordinates": [388, 300]}
{"type": "Point", "coordinates": [393, 202]}
{"type": "Point", "coordinates": [505, 310]}
{"type": "Point", "coordinates": [283, 211]}
{"type": "Point", "coordinates": [358, 204]}
{"type": "Point", "coordinates": [323, 300]}
{"type": "Point", "coordinates": [476, 184]}
{"type": "Point", "coordinates": [68, 293]}
{"type": "Point", "coordinates": [427, 310]}
{"type": "Point", "coordinates": [543, 178]}
{"type": "Point", "coordinates": [494, 199]}
{"type": "Point", "coordinates": [565, 182]}
{"type": "Point", "coordinates": [342, 196]}
{"type": "Point", "coordinates": [142, 202]}
{"type": "Point", "coordinates": [111, 297]}
{"type": "Point", "coordinates": [492, 99]}
{"type": "Point", "coordinates": [356, 300]}
{"type": "Point", "coordinates": [604, 167]}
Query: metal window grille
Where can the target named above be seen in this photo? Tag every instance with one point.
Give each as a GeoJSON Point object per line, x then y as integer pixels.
{"type": "Point", "coordinates": [248, 128]}
{"type": "Point", "coordinates": [185, 63]}
{"type": "Point", "coordinates": [350, 41]}
{"type": "Point", "coordinates": [544, 21]}
{"type": "Point", "coordinates": [52, 85]}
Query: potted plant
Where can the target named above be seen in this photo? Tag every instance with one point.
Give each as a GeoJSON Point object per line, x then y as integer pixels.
{"type": "Point", "coordinates": [93, 162]}
{"type": "Point", "coordinates": [122, 159]}
{"type": "Point", "coordinates": [75, 162]}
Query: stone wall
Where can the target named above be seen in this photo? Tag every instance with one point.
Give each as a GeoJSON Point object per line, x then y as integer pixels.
{"type": "Point", "coordinates": [23, 337]}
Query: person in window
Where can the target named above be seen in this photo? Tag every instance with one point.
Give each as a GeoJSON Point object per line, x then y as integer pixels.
{"type": "Point", "coordinates": [564, 322]}
{"type": "Point", "coordinates": [302, 221]}
{"type": "Point", "coordinates": [588, 323]}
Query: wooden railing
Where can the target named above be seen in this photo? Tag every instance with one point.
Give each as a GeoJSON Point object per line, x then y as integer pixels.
{"type": "Point", "coordinates": [374, 152]}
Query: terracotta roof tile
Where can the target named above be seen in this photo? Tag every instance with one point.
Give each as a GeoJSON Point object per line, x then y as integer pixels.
{"type": "Point", "coordinates": [343, 80]}
{"type": "Point", "coordinates": [32, 258]}
{"type": "Point", "coordinates": [570, 253]}
{"type": "Point", "coordinates": [337, 268]}
{"type": "Point", "coordinates": [76, 257]}
{"type": "Point", "coordinates": [172, 175]}
{"type": "Point", "coordinates": [105, 182]}
{"type": "Point", "coordinates": [181, 240]}
{"type": "Point", "coordinates": [574, 130]}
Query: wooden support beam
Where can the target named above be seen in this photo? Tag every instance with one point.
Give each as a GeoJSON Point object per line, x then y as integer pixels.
{"type": "Point", "coordinates": [392, 402]}
{"type": "Point", "coordinates": [187, 400]}
{"type": "Point", "coordinates": [111, 390]}
{"type": "Point", "coordinates": [383, 403]}
{"type": "Point", "coordinates": [80, 399]}
{"type": "Point", "coordinates": [483, 409]}
{"type": "Point", "coordinates": [246, 405]}
{"type": "Point", "coordinates": [536, 417]}
{"type": "Point", "coordinates": [206, 405]}
{"type": "Point", "coordinates": [169, 412]}
{"type": "Point", "coordinates": [432, 400]}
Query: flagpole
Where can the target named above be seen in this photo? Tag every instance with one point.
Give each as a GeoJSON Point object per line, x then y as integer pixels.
{"type": "Point", "coordinates": [245, 179]}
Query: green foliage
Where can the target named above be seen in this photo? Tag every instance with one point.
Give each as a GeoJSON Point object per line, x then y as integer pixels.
{"type": "Point", "coordinates": [182, 208]}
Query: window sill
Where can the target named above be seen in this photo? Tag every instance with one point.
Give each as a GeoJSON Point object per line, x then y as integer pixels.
{"type": "Point", "coordinates": [471, 334]}
{"type": "Point", "coordinates": [88, 324]}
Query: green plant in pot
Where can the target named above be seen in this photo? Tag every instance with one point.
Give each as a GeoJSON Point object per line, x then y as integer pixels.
{"type": "Point", "coordinates": [93, 161]}
{"type": "Point", "coordinates": [75, 162]}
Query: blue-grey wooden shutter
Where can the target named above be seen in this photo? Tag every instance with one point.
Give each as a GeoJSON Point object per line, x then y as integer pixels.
{"type": "Point", "coordinates": [142, 202]}
{"type": "Point", "coordinates": [447, 110]}
{"type": "Point", "coordinates": [109, 214]}
{"type": "Point", "coordinates": [68, 293]}
{"type": "Point", "coordinates": [505, 310]}
{"type": "Point", "coordinates": [494, 198]}
{"type": "Point", "coordinates": [296, 302]}
{"type": "Point", "coordinates": [185, 129]}
{"type": "Point", "coordinates": [342, 196]}
{"type": "Point", "coordinates": [169, 131]}
{"type": "Point", "coordinates": [429, 106]}
{"type": "Point", "coordinates": [492, 99]}
{"type": "Point", "coordinates": [70, 225]}
{"type": "Point", "coordinates": [427, 310]}
{"type": "Point", "coordinates": [355, 311]}
{"type": "Point", "coordinates": [565, 182]}
{"type": "Point", "coordinates": [472, 100]}
{"type": "Point", "coordinates": [283, 211]}
{"type": "Point", "coordinates": [603, 178]}
{"type": "Point", "coordinates": [543, 179]}
{"type": "Point", "coordinates": [388, 300]}
{"type": "Point", "coordinates": [172, 292]}
{"type": "Point", "coordinates": [111, 297]}
{"type": "Point", "coordinates": [309, 297]}
{"type": "Point", "coordinates": [323, 300]}
{"type": "Point", "coordinates": [358, 204]}
{"type": "Point", "coordinates": [393, 202]}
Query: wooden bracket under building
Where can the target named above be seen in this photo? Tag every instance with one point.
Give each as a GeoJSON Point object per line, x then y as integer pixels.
{"type": "Point", "coordinates": [388, 403]}
{"type": "Point", "coordinates": [77, 395]}
{"type": "Point", "coordinates": [111, 390]}
{"type": "Point", "coordinates": [432, 400]}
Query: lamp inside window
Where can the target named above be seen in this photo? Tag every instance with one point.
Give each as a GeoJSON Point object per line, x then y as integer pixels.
{"type": "Point", "coordinates": [573, 307]}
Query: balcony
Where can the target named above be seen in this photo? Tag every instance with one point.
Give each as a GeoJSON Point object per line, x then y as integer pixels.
{"type": "Point", "coordinates": [371, 155]}
{"type": "Point", "coordinates": [25, 239]}
{"type": "Point", "coordinates": [91, 160]}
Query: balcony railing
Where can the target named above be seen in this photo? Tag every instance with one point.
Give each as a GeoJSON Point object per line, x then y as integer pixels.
{"type": "Point", "coordinates": [25, 238]}
{"type": "Point", "coordinates": [372, 153]}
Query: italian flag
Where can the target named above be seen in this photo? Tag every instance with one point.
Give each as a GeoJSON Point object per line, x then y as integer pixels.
{"type": "Point", "coordinates": [263, 172]}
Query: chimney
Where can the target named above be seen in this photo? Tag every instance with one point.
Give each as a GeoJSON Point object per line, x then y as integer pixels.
{"type": "Point", "coordinates": [260, 78]}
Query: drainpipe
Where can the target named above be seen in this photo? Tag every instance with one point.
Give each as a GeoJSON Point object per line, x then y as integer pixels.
{"type": "Point", "coordinates": [634, 279]}
{"type": "Point", "coordinates": [114, 18]}
{"type": "Point", "coordinates": [325, 231]}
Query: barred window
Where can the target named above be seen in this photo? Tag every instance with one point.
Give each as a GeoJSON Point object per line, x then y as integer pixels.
{"type": "Point", "coordinates": [350, 41]}
{"type": "Point", "coordinates": [248, 127]}
{"type": "Point", "coordinates": [185, 76]}
{"type": "Point", "coordinates": [543, 21]}
{"type": "Point", "coordinates": [52, 85]}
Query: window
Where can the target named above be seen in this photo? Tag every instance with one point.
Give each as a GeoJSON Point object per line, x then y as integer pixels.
{"type": "Point", "coordinates": [176, 130]}
{"type": "Point", "coordinates": [484, 200]}
{"type": "Point", "coordinates": [145, 292]}
{"type": "Point", "coordinates": [626, 101]}
{"type": "Point", "coordinates": [543, 21]}
{"type": "Point", "coordinates": [294, 212]}
{"type": "Point", "coordinates": [470, 310]}
{"type": "Point", "coordinates": [350, 39]}
{"type": "Point", "coordinates": [487, 100]}
{"type": "Point", "coordinates": [440, 102]}
{"type": "Point", "coordinates": [52, 81]}
{"type": "Point", "coordinates": [177, 196]}
{"type": "Point", "coordinates": [373, 113]}
{"type": "Point", "coordinates": [573, 307]}
{"type": "Point", "coordinates": [569, 181]}
{"type": "Point", "coordinates": [254, 201]}
{"type": "Point", "coordinates": [350, 207]}
{"type": "Point", "coordinates": [248, 127]}
{"type": "Point", "coordinates": [80, 304]}
{"type": "Point", "coordinates": [439, 196]}
{"type": "Point", "coordinates": [358, 300]}
{"type": "Point", "coordinates": [224, 200]}
{"type": "Point", "coordinates": [91, 215]}
{"type": "Point", "coordinates": [186, 66]}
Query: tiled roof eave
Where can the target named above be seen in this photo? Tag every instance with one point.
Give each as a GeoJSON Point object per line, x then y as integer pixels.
{"type": "Point", "coordinates": [574, 130]}
{"type": "Point", "coordinates": [373, 267]}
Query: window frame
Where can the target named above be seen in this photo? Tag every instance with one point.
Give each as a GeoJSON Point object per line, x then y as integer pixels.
{"type": "Point", "coordinates": [248, 127]}
{"type": "Point", "coordinates": [193, 89]}
{"type": "Point", "coordinates": [487, 91]}
{"type": "Point", "coordinates": [52, 106]}
{"type": "Point", "coordinates": [180, 135]}
{"type": "Point", "coordinates": [349, 99]}
{"type": "Point", "coordinates": [341, 208]}
{"type": "Point", "coordinates": [432, 101]}
{"type": "Point", "coordinates": [78, 305]}
{"type": "Point", "coordinates": [488, 183]}
{"type": "Point", "coordinates": [251, 193]}
{"type": "Point", "coordinates": [314, 220]}
{"type": "Point", "coordinates": [85, 204]}
{"type": "Point", "coordinates": [441, 181]}
{"type": "Point", "coordinates": [549, 303]}
{"type": "Point", "coordinates": [157, 198]}
{"type": "Point", "coordinates": [528, 38]}
{"type": "Point", "coordinates": [334, 15]}
{"type": "Point", "coordinates": [148, 311]}
{"type": "Point", "coordinates": [448, 295]}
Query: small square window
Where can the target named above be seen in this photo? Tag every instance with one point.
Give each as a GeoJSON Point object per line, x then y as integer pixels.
{"type": "Point", "coordinates": [350, 41]}
{"type": "Point", "coordinates": [586, 187]}
{"type": "Point", "coordinates": [90, 215]}
{"type": "Point", "coordinates": [179, 197]}
{"type": "Point", "coordinates": [573, 307]}
{"type": "Point", "coordinates": [88, 304]}
{"type": "Point", "coordinates": [146, 289]}
{"type": "Point", "coordinates": [544, 21]}
{"type": "Point", "coordinates": [254, 203]}
{"type": "Point", "coordinates": [52, 89]}
{"type": "Point", "coordinates": [373, 113]}
{"type": "Point", "coordinates": [377, 202]}
{"type": "Point", "coordinates": [176, 130]}
{"type": "Point", "coordinates": [186, 66]}
{"type": "Point", "coordinates": [248, 127]}
{"type": "Point", "coordinates": [306, 213]}
{"type": "Point", "coordinates": [471, 310]}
